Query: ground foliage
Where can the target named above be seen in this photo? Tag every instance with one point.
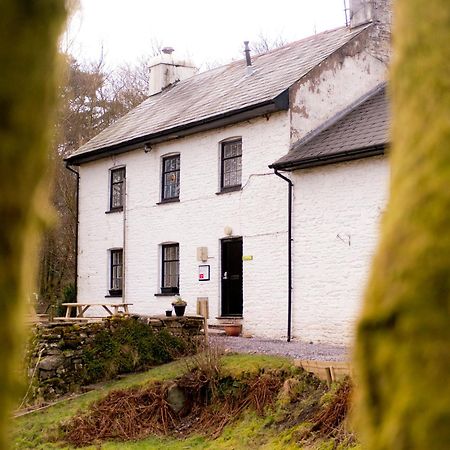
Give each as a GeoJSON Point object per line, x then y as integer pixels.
{"type": "Point", "coordinates": [330, 421]}
{"type": "Point", "coordinates": [284, 397]}
{"type": "Point", "coordinates": [130, 346]}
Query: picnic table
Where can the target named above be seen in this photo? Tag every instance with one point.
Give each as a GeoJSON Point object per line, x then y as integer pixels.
{"type": "Point", "coordinates": [80, 308]}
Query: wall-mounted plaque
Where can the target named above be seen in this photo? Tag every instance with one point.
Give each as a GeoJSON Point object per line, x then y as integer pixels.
{"type": "Point", "coordinates": [203, 272]}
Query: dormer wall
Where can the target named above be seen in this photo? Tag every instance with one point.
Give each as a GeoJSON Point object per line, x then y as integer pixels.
{"type": "Point", "coordinates": [334, 84]}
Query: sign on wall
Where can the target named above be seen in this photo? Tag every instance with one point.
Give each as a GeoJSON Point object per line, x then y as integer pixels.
{"type": "Point", "coordinates": [203, 273]}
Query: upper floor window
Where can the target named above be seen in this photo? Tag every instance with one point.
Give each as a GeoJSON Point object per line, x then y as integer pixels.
{"type": "Point", "coordinates": [116, 272]}
{"type": "Point", "coordinates": [171, 178]}
{"type": "Point", "coordinates": [231, 164]}
{"type": "Point", "coordinates": [117, 189]}
{"type": "Point", "coordinates": [170, 269]}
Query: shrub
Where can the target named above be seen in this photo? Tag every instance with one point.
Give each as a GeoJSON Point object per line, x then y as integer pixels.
{"type": "Point", "coordinates": [129, 346]}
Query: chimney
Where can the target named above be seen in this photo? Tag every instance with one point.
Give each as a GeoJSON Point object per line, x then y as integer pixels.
{"type": "Point", "coordinates": [379, 13]}
{"type": "Point", "coordinates": [248, 58]}
{"type": "Point", "coordinates": [360, 12]}
{"type": "Point", "coordinates": [166, 70]}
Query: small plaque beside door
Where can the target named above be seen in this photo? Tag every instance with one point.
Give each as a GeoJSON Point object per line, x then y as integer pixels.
{"type": "Point", "coordinates": [203, 272]}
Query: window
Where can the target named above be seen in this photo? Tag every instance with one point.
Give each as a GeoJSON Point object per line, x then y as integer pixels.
{"type": "Point", "coordinates": [231, 165]}
{"type": "Point", "coordinates": [171, 178]}
{"type": "Point", "coordinates": [170, 269]}
{"type": "Point", "coordinates": [117, 189]}
{"type": "Point", "coordinates": [116, 272]}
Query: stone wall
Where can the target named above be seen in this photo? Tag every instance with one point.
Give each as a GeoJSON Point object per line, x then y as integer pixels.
{"type": "Point", "coordinates": [57, 352]}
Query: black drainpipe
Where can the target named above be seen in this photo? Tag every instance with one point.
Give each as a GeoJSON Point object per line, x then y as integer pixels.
{"type": "Point", "coordinates": [278, 174]}
{"type": "Point", "coordinates": [76, 225]}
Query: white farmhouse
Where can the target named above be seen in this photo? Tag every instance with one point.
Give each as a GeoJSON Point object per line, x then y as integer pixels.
{"type": "Point", "coordinates": [178, 197]}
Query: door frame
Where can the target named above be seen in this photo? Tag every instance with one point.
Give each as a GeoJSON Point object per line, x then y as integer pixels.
{"type": "Point", "coordinates": [221, 303]}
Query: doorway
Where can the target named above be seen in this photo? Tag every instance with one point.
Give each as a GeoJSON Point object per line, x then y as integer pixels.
{"type": "Point", "coordinates": [232, 298]}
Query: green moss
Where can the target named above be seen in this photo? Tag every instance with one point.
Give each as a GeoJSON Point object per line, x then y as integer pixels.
{"type": "Point", "coordinates": [129, 346]}
{"type": "Point", "coordinates": [28, 47]}
{"type": "Point", "coordinates": [404, 333]}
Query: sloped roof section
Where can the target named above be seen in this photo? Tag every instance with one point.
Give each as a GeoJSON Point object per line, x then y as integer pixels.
{"type": "Point", "coordinates": [223, 91]}
{"type": "Point", "coordinates": [359, 131]}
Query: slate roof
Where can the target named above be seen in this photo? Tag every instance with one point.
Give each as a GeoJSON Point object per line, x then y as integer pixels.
{"type": "Point", "coordinates": [360, 130]}
{"type": "Point", "coordinates": [222, 91]}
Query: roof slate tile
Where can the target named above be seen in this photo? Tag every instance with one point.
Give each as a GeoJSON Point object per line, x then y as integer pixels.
{"type": "Point", "coordinates": [364, 126]}
{"type": "Point", "coordinates": [222, 90]}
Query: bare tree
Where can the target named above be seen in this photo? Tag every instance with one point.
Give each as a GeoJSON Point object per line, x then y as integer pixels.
{"type": "Point", "coordinates": [91, 98]}
{"type": "Point", "coordinates": [264, 43]}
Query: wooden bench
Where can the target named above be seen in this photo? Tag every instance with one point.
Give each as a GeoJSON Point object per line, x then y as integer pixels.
{"type": "Point", "coordinates": [81, 308]}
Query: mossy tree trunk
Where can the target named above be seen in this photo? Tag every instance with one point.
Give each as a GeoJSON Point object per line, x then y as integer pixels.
{"type": "Point", "coordinates": [29, 30]}
{"type": "Point", "coordinates": [403, 339]}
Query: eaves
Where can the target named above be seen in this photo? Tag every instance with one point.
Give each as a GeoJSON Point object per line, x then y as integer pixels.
{"type": "Point", "coordinates": [351, 155]}
{"type": "Point", "coordinates": [279, 103]}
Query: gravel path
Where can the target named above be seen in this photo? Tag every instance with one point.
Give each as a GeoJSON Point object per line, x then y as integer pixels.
{"type": "Point", "coordinates": [293, 349]}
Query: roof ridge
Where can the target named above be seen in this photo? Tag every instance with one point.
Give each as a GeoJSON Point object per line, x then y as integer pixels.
{"type": "Point", "coordinates": [218, 95]}
{"type": "Point", "coordinates": [274, 50]}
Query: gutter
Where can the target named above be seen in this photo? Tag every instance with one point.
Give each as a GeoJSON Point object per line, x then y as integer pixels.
{"type": "Point", "coordinates": [279, 103]}
{"type": "Point", "coordinates": [76, 225]}
{"type": "Point", "coordinates": [290, 186]}
{"type": "Point", "coordinates": [351, 155]}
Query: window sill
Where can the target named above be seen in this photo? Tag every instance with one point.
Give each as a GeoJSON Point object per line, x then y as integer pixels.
{"type": "Point", "coordinates": [113, 296]}
{"type": "Point", "coordinates": [230, 189]}
{"type": "Point", "coordinates": [169, 200]}
{"type": "Point", "coordinates": [166, 294]}
{"type": "Point", "coordinates": [114, 210]}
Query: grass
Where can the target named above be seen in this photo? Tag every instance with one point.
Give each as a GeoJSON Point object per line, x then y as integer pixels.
{"type": "Point", "coordinates": [39, 430]}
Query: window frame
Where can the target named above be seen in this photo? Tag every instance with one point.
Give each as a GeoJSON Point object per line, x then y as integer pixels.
{"type": "Point", "coordinates": [223, 144]}
{"type": "Point", "coordinates": [170, 289]}
{"type": "Point", "coordinates": [163, 177]}
{"type": "Point", "coordinates": [115, 292]}
{"type": "Point", "coordinates": [113, 183]}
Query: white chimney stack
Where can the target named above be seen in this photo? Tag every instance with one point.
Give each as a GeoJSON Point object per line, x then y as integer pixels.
{"type": "Point", "coordinates": [360, 12]}
{"type": "Point", "coordinates": [166, 70]}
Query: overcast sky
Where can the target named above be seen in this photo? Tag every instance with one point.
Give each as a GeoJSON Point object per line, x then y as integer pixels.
{"type": "Point", "coordinates": [205, 31]}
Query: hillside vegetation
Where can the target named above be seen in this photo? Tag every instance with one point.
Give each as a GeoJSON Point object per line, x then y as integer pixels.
{"type": "Point", "coordinates": [229, 402]}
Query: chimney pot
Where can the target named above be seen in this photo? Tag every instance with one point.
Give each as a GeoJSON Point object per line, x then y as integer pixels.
{"type": "Point", "coordinates": [167, 50]}
{"type": "Point", "coordinates": [248, 59]}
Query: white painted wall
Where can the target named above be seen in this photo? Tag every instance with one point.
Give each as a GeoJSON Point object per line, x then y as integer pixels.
{"type": "Point", "coordinates": [330, 88]}
{"type": "Point", "coordinates": [337, 209]}
{"type": "Point", "coordinates": [344, 199]}
{"type": "Point", "coordinates": [198, 220]}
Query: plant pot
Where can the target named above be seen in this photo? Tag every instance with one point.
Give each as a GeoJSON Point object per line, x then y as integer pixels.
{"type": "Point", "coordinates": [179, 310]}
{"type": "Point", "coordinates": [232, 329]}
{"type": "Point", "coordinates": [168, 313]}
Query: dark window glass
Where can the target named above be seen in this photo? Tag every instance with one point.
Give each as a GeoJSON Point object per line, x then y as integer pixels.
{"type": "Point", "coordinates": [116, 272]}
{"type": "Point", "coordinates": [170, 268]}
{"type": "Point", "coordinates": [171, 177]}
{"type": "Point", "coordinates": [117, 188]}
{"type": "Point", "coordinates": [231, 170]}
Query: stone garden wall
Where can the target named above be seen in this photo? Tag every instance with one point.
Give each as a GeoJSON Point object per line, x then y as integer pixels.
{"type": "Point", "coordinates": [63, 357]}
